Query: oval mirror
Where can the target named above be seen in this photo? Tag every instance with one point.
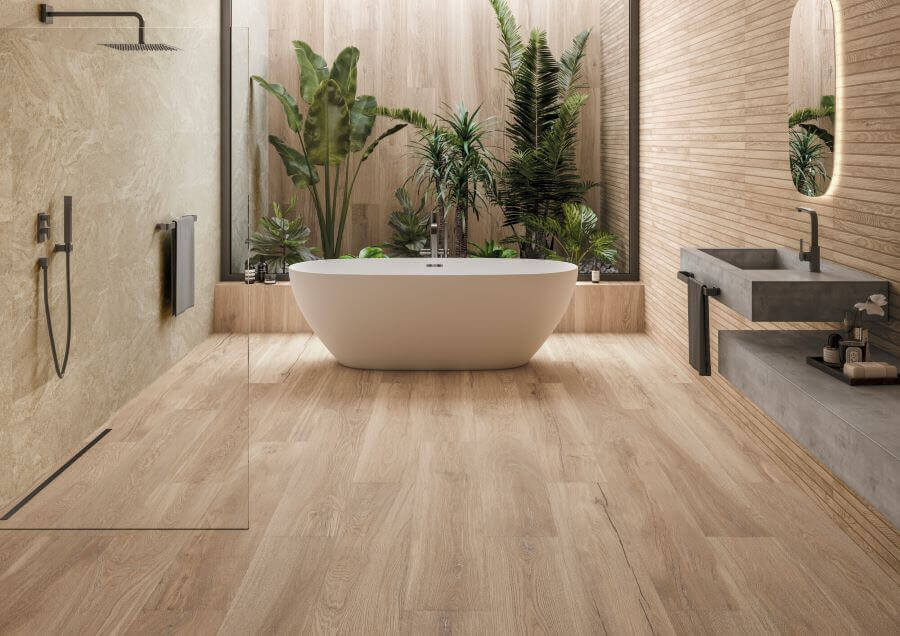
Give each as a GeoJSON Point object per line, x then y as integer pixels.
{"type": "Point", "coordinates": [811, 95]}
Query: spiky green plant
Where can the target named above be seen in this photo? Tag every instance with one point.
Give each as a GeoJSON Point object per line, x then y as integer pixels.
{"type": "Point", "coordinates": [541, 173]}
{"type": "Point", "coordinates": [826, 110]}
{"type": "Point", "coordinates": [336, 127]}
{"type": "Point", "coordinates": [455, 162]}
{"type": "Point", "coordinates": [807, 162]}
{"type": "Point", "coordinates": [410, 226]}
{"type": "Point", "coordinates": [576, 235]}
{"type": "Point", "coordinates": [281, 241]}
{"type": "Point", "coordinates": [490, 249]}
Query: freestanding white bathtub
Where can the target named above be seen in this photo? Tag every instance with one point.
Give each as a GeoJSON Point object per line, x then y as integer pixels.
{"type": "Point", "coordinates": [422, 313]}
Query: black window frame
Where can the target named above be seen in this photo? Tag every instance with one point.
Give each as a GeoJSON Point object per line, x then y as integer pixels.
{"type": "Point", "coordinates": [633, 273]}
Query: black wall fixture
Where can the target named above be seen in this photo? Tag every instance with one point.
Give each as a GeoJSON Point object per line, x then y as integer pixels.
{"type": "Point", "coordinates": [47, 13]}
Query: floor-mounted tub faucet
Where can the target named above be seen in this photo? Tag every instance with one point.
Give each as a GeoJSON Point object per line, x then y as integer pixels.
{"type": "Point", "coordinates": [812, 256]}
{"type": "Point", "coordinates": [434, 235]}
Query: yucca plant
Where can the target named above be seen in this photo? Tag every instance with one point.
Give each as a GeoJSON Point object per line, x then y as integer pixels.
{"type": "Point", "coordinates": [802, 117]}
{"type": "Point", "coordinates": [576, 236]}
{"type": "Point", "coordinates": [807, 162]}
{"type": "Point", "coordinates": [455, 162]}
{"type": "Point", "coordinates": [490, 249]}
{"type": "Point", "coordinates": [409, 225]}
{"type": "Point", "coordinates": [335, 128]}
{"type": "Point", "coordinates": [541, 173]}
{"type": "Point", "coordinates": [281, 241]}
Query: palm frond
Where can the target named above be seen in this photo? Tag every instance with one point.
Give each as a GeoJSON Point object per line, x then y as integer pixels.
{"type": "Point", "coordinates": [570, 66]}
{"type": "Point", "coordinates": [509, 37]}
{"type": "Point", "coordinates": [408, 115]}
{"type": "Point", "coordinates": [534, 102]}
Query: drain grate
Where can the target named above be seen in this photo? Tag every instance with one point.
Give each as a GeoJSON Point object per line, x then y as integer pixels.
{"type": "Point", "coordinates": [59, 471]}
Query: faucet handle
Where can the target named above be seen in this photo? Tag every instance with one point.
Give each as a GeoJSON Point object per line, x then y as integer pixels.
{"type": "Point", "coordinates": [801, 246]}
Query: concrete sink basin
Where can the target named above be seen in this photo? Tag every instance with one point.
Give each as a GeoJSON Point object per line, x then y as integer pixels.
{"type": "Point", "coordinates": [774, 285]}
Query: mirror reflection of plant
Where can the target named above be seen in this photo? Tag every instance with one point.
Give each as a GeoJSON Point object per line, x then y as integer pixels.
{"type": "Point", "coordinates": [409, 225]}
{"type": "Point", "coordinates": [281, 241]}
{"type": "Point", "coordinates": [337, 125]}
{"type": "Point", "coordinates": [807, 161]}
{"type": "Point", "coordinates": [826, 110]}
{"type": "Point", "coordinates": [809, 145]}
{"type": "Point", "coordinates": [576, 236]}
{"type": "Point", "coordinates": [490, 249]}
{"type": "Point", "coordinates": [455, 163]}
{"type": "Point", "coordinates": [541, 174]}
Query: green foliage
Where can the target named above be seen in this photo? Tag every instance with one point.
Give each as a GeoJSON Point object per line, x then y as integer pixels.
{"type": "Point", "coordinates": [576, 235]}
{"type": "Point", "coordinates": [409, 225]}
{"type": "Point", "coordinates": [454, 163]}
{"type": "Point", "coordinates": [807, 162]}
{"type": "Point", "coordinates": [337, 126]}
{"type": "Point", "coordinates": [826, 110]}
{"type": "Point", "coordinates": [541, 173]}
{"type": "Point", "coordinates": [281, 241]}
{"type": "Point", "coordinates": [490, 249]}
{"type": "Point", "coordinates": [368, 252]}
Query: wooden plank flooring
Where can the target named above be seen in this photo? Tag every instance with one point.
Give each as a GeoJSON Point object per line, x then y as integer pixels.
{"type": "Point", "coordinates": [591, 491]}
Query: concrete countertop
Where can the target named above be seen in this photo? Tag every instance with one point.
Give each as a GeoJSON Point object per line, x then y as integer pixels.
{"type": "Point", "coordinates": [855, 431]}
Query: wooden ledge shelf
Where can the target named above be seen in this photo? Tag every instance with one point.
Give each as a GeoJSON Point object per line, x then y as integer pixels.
{"type": "Point", "coordinates": [607, 307]}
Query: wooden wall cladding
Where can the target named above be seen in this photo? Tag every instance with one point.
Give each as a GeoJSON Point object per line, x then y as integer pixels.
{"type": "Point", "coordinates": [714, 172]}
{"type": "Point", "coordinates": [595, 308]}
{"type": "Point", "coordinates": [428, 53]}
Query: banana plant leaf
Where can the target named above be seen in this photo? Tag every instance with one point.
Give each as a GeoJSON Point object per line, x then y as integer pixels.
{"type": "Point", "coordinates": [343, 71]}
{"type": "Point", "coordinates": [362, 120]}
{"type": "Point", "coordinates": [326, 131]}
{"type": "Point", "coordinates": [298, 168]}
{"type": "Point", "coordinates": [313, 70]}
{"type": "Point", "coordinates": [291, 112]}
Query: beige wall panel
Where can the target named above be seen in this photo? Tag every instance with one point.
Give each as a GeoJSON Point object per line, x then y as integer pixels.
{"type": "Point", "coordinates": [134, 138]}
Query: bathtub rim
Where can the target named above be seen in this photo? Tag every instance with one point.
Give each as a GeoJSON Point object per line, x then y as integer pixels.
{"type": "Point", "coordinates": [373, 265]}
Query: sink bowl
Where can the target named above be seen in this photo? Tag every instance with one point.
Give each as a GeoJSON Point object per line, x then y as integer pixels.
{"type": "Point", "coordinates": [750, 258]}
{"type": "Point", "coordinates": [774, 285]}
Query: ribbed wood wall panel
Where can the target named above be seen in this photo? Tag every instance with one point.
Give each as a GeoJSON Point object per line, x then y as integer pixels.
{"type": "Point", "coordinates": [714, 172]}
{"type": "Point", "coordinates": [428, 53]}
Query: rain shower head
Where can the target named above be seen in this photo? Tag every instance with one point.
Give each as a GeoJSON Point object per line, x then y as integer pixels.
{"type": "Point", "coordinates": [140, 47]}
{"type": "Point", "coordinates": [47, 14]}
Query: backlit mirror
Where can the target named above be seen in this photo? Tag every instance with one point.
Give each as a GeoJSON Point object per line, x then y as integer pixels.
{"type": "Point", "coordinates": [811, 95]}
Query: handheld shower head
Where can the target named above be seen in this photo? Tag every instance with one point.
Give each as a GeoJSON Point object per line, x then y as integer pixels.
{"type": "Point", "coordinates": [67, 221]}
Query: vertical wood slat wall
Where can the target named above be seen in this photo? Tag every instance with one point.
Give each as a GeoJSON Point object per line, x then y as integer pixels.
{"type": "Point", "coordinates": [714, 172]}
{"type": "Point", "coordinates": [429, 53]}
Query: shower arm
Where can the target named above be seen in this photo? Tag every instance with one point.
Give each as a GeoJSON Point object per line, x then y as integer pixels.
{"type": "Point", "coordinates": [47, 15]}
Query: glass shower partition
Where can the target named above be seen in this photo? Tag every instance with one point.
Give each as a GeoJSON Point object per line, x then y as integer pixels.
{"type": "Point", "coordinates": [148, 425]}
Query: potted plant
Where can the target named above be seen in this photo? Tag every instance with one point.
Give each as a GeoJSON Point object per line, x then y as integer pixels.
{"type": "Point", "coordinates": [281, 241]}
{"type": "Point", "coordinates": [576, 237]}
{"type": "Point", "coordinates": [409, 225]}
{"type": "Point", "coordinates": [455, 163]}
{"type": "Point", "coordinates": [333, 136]}
{"type": "Point", "coordinates": [490, 249]}
{"type": "Point", "coordinates": [547, 94]}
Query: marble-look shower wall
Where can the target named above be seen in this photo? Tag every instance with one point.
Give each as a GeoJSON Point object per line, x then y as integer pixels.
{"type": "Point", "coordinates": [134, 138]}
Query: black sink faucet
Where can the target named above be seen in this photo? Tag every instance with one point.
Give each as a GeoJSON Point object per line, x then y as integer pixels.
{"type": "Point", "coordinates": [812, 256]}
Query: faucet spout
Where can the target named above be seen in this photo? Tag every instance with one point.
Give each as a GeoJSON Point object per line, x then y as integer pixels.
{"type": "Point", "coordinates": [813, 255]}
{"type": "Point", "coordinates": [433, 227]}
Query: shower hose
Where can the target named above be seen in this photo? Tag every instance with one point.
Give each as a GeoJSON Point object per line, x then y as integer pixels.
{"type": "Point", "coordinates": [60, 370]}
